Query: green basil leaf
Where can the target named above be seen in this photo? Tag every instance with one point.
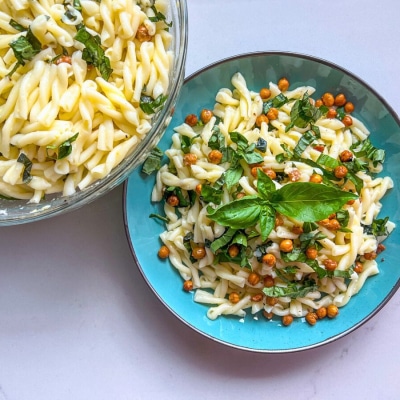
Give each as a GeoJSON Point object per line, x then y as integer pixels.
{"type": "Point", "coordinates": [277, 102]}
{"type": "Point", "coordinates": [307, 138]}
{"type": "Point", "coordinates": [307, 201]}
{"type": "Point", "coordinates": [223, 240]}
{"type": "Point", "coordinates": [265, 185]}
{"type": "Point", "coordinates": [232, 176]}
{"type": "Point", "coordinates": [17, 26]}
{"type": "Point", "coordinates": [210, 194]}
{"type": "Point", "coordinates": [216, 141]}
{"type": "Point", "coordinates": [240, 140]}
{"type": "Point", "coordinates": [267, 221]}
{"type": "Point", "coordinates": [292, 290]}
{"type": "Point", "coordinates": [64, 149]}
{"type": "Point", "coordinates": [186, 143]}
{"type": "Point", "coordinates": [26, 47]}
{"type": "Point", "coordinates": [26, 175]}
{"type": "Point", "coordinates": [153, 161]}
{"type": "Point", "coordinates": [253, 158]}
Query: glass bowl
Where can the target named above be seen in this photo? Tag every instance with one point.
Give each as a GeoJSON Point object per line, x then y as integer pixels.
{"type": "Point", "coordinates": [14, 212]}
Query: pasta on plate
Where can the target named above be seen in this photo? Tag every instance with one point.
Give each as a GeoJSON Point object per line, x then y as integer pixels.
{"type": "Point", "coordinates": [271, 203]}
{"type": "Point", "coordinates": [79, 83]}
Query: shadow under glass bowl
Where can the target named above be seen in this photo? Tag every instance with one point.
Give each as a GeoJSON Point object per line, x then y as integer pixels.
{"type": "Point", "coordinates": [13, 212]}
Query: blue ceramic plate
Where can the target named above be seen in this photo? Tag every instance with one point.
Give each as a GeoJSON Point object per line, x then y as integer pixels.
{"type": "Point", "coordinates": [261, 335]}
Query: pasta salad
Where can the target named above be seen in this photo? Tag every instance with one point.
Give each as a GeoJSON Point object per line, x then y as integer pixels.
{"type": "Point", "coordinates": [271, 203]}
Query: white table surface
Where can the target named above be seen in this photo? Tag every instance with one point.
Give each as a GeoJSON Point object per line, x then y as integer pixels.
{"type": "Point", "coordinates": [77, 321]}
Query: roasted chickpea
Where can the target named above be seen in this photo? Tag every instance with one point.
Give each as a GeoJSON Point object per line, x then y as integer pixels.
{"type": "Point", "coordinates": [215, 156]}
{"type": "Point", "coordinates": [340, 171]}
{"type": "Point", "coordinates": [328, 99]}
{"type": "Point", "coordinates": [233, 250]}
{"type": "Point", "coordinates": [311, 253]}
{"type": "Point", "coordinates": [316, 178]}
{"type": "Point", "coordinates": [163, 252]}
{"type": "Point", "coordinates": [345, 156]}
{"type": "Point", "coordinates": [270, 173]}
{"type": "Point", "coordinates": [311, 318]}
{"type": "Point", "coordinates": [142, 34]}
{"type": "Point", "coordinates": [64, 59]}
{"type": "Point", "coordinates": [188, 286]}
{"type": "Point", "coordinates": [332, 311]}
{"type": "Point", "coordinates": [198, 252]}
{"type": "Point", "coordinates": [347, 120]}
{"type": "Point", "coordinates": [253, 278]}
{"type": "Point", "coordinates": [234, 297]}
{"type": "Point", "coordinates": [381, 247]}
{"type": "Point", "coordinates": [269, 281]}
{"type": "Point", "coordinates": [189, 159]}
{"type": "Point", "coordinates": [358, 267]}
{"type": "Point", "coordinates": [198, 189]}
{"type": "Point", "coordinates": [268, 315]}
{"type": "Point", "coordinates": [340, 100]}
{"type": "Point", "coordinates": [286, 245]}
{"type": "Point", "coordinates": [287, 320]}
{"type": "Point", "coordinates": [269, 259]}
{"type": "Point", "coordinates": [173, 200]}
{"type": "Point", "coordinates": [297, 230]}
{"type": "Point", "coordinates": [283, 84]}
{"type": "Point", "coordinates": [271, 301]}
{"type": "Point", "coordinates": [294, 175]}
{"type": "Point", "coordinates": [330, 265]}
{"type": "Point", "coordinates": [370, 256]}
{"type": "Point", "coordinates": [318, 103]}
{"type": "Point", "coordinates": [279, 220]}
{"type": "Point", "coordinates": [321, 312]}
{"type": "Point", "coordinates": [191, 120]}
{"type": "Point", "coordinates": [265, 93]}
{"type": "Point", "coordinates": [319, 147]}
{"type": "Point", "coordinates": [206, 115]}
{"type": "Point", "coordinates": [332, 113]}
{"type": "Point", "coordinates": [254, 171]}
{"type": "Point", "coordinates": [349, 107]}
{"type": "Point", "coordinates": [260, 119]}
{"type": "Point", "coordinates": [257, 297]}
{"type": "Point", "coordinates": [272, 113]}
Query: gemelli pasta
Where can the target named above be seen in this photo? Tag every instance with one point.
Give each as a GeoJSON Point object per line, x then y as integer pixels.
{"type": "Point", "coordinates": [271, 203]}
{"type": "Point", "coordinates": [79, 83]}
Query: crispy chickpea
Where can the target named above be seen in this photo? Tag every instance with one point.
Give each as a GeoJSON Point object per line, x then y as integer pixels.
{"type": "Point", "coordinates": [287, 320]}
{"type": "Point", "coordinates": [269, 259]}
{"type": "Point", "coordinates": [254, 171]}
{"type": "Point", "coordinates": [294, 175]}
{"type": "Point", "coordinates": [345, 156]}
{"type": "Point", "coordinates": [260, 119]}
{"type": "Point", "coordinates": [311, 318]}
{"type": "Point", "coordinates": [286, 245]}
{"type": "Point", "coordinates": [206, 115]}
{"type": "Point", "coordinates": [253, 279]}
{"type": "Point", "coordinates": [330, 265]}
{"type": "Point", "coordinates": [283, 84]}
{"type": "Point", "coordinates": [321, 312]}
{"type": "Point", "coordinates": [347, 120]}
{"type": "Point", "coordinates": [191, 120]}
{"type": "Point", "coordinates": [64, 59]}
{"type": "Point", "coordinates": [318, 103]}
{"type": "Point", "coordinates": [381, 247]}
{"type": "Point", "coordinates": [163, 252]}
{"type": "Point", "coordinates": [358, 267]}
{"type": "Point", "coordinates": [272, 113]}
{"type": "Point", "coordinates": [173, 200]}
{"type": "Point", "coordinates": [297, 230]}
{"type": "Point", "coordinates": [188, 286]}
{"type": "Point", "coordinates": [215, 156]}
{"type": "Point", "coordinates": [234, 297]}
{"type": "Point", "coordinates": [370, 256]}
{"type": "Point", "coordinates": [332, 311]}
{"type": "Point", "coordinates": [316, 178]}
{"type": "Point", "coordinates": [340, 100]}
{"type": "Point", "coordinates": [240, 195]}
{"type": "Point", "coordinates": [270, 173]}
{"type": "Point", "coordinates": [233, 250]}
{"type": "Point", "coordinates": [328, 99]}
{"type": "Point", "coordinates": [332, 113]}
{"type": "Point", "coordinates": [349, 107]}
{"type": "Point", "coordinates": [333, 224]}
{"type": "Point", "coordinates": [268, 315]}
{"type": "Point", "coordinates": [271, 301]}
{"type": "Point", "coordinates": [269, 281]}
{"type": "Point", "coordinates": [311, 253]}
{"type": "Point", "coordinates": [142, 34]}
{"type": "Point", "coordinates": [340, 171]}
{"type": "Point", "coordinates": [319, 147]}
{"type": "Point", "coordinates": [198, 189]}
{"type": "Point", "coordinates": [198, 252]}
{"type": "Point", "coordinates": [189, 159]}
{"type": "Point", "coordinates": [257, 297]}
{"type": "Point", "coordinates": [265, 93]}
{"type": "Point", "coordinates": [279, 220]}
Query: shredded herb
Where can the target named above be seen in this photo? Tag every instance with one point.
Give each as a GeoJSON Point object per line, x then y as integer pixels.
{"type": "Point", "coordinates": [149, 105]}
{"type": "Point", "coordinates": [153, 161]}
{"type": "Point", "coordinates": [17, 26]}
{"type": "Point", "coordinates": [64, 149]}
{"type": "Point", "coordinates": [26, 47]}
{"type": "Point", "coordinates": [26, 175]}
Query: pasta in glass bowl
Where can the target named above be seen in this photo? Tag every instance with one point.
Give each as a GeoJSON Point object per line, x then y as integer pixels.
{"type": "Point", "coordinates": [86, 91]}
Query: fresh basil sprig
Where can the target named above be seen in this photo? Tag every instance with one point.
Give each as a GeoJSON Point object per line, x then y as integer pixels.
{"type": "Point", "coordinates": [303, 201]}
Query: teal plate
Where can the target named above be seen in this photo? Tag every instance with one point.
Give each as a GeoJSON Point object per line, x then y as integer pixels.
{"type": "Point", "coordinates": [261, 335]}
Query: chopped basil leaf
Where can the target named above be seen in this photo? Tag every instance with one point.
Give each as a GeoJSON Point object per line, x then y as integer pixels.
{"type": "Point", "coordinates": [150, 105]}
{"type": "Point", "coordinates": [17, 26]}
{"type": "Point", "coordinates": [378, 227]}
{"type": "Point", "coordinates": [369, 151]}
{"type": "Point", "coordinates": [277, 102]}
{"type": "Point", "coordinates": [153, 161]}
{"type": "Point", "coordinates": [210, 194]}
{"type": "Point", "coordinates": [26, 175]}
{"type": "Point", "coordinates": [160, 217]}
{"type": "Point", "coordinates": [303, 113]}
{"type": "Point", "coordinates": [159, 16]}
{"type": "Point", "coordinates": [261, 145]}
{"type": "Point", "coordinates": [292, 290]}
{"type": "Point", "coordinates": [64, 149]}
{"type": "Point", "coordinates": [26, 47]}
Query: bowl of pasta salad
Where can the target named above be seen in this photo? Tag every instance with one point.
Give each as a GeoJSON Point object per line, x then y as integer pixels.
{"type": "Point", "coordinates": [266, 217]}
{"type": "Point", "coordinates": [87, 88]}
